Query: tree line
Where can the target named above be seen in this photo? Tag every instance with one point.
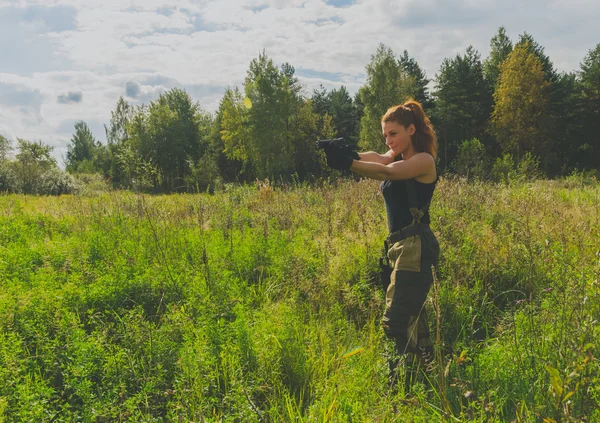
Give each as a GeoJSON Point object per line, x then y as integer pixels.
{"type": "Point", "coordinates": [510, 110]}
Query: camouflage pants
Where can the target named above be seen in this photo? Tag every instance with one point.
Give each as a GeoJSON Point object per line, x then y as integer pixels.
{"type": "Point", "coordinates": [405, 317]}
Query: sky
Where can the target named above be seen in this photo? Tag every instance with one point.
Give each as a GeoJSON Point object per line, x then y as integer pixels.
{"type": "Point", "coordinates": [67, 60]}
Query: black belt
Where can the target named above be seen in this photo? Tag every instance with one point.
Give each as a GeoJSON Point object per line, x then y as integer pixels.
{"type": "Point", "coordinates": [405, 232]}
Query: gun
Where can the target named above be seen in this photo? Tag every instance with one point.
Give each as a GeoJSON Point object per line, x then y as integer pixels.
{"type": "Point", "coordinates": [348, 147]}
{"type": "Point", "coordinates": [339, 142]}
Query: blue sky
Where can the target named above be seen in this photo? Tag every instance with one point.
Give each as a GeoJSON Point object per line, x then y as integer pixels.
{"type": "Point", "coordinates": [66, 60]}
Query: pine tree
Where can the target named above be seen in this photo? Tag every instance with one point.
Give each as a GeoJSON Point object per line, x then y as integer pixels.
{"type": "Point", "coordinates": [462, 103]}
{"type": "Point", "coordinates": [412, 68]}
{"type": "Point", "coordinates": [81, 150]}
{"type": "Point", "coordinates": [589, 93]}
{"type": "Point", "coordinates": [500, 48]}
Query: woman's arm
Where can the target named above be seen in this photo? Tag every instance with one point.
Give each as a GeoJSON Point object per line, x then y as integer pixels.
{"type": "Point", "coordinates": [418, 165]}
{"type": "Point", "coordinates": [373, 157]}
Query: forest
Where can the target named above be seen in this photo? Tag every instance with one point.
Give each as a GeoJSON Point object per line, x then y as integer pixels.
{"type": "Point", "coordinates": [510, 113]}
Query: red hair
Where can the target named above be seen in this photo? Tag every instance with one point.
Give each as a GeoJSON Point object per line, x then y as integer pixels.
{"type": "Point", "coordinates": [411, 112]}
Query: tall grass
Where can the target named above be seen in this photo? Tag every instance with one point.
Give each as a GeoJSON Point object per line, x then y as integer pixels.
{"type": "Point", "coordinates": [260, 304]}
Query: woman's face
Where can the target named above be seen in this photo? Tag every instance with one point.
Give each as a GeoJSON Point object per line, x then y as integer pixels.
{"type": "Point", "coordinates": [397, 137]}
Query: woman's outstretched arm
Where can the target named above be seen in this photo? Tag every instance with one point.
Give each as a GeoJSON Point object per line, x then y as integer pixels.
{"type": "Point", "coordinates": [418, 165]}
{"type": "Point", "coordinates": [371, 156]}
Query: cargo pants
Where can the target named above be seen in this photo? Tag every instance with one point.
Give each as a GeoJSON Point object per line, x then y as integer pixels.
{"type": "Point", "coordinates": [410, 255]}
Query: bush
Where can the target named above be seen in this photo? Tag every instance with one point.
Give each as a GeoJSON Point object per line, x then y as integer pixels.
{"type": "Point", "coordinates": [503, 169]}
{"type": "Point", "coordinates": [51, 181]}
{"type": "Point", "coordinates": [580, 178]}
{"type": "Point", "coordinates": [204, 175]}
{"type": "Point", "coordinates": [55, 182]}
{"type": "Point", "coordinates": [472, 160]}
{"type": "Point", "coordinates": [85, 166]}
{"type": "Point", "coordinates": [91, 183]}
{"type": "Point", "coordinates": [528, 168]}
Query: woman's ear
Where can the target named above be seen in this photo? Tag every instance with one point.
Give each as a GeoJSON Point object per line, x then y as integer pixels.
{"type": "Point", "coordinates": [411, 129]}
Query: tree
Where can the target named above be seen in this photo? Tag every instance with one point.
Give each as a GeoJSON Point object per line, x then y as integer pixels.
{"type": "Point", "coordinates": [306, 127]}
{"type": "Point", "coordinates": [462, 102]}
{"type": "Point", "coordinates": [204, 170]}
{"type": "Point", "coordinates": [5, 148]}
{"type": "Point", "coordinates": [590, 77]}
{"type": "Point", "coordinates": [6, 175]}
{"type": "Point", "coordinates": [344, 114]}
{"type": "Point", "coordinates": [338, 105]}
{"type": "Point", "coordinates": [321, 101]}
{"type": "Point", "coordinates": [527, 41]}
{"type": "Point", "coordinates": [231, 124]}
{"type": "Point", "coordinates": [562, 121]}
{"type": "Point", "coordinates": [35, 153]}
{"type": "Point", "coordinates": [33, 160]}
{"type": "Point", "coordinates": [273, 96]}
{"type": "Point", "coordinates": [116, 132]}
{"type": "Point", "coordinates": [234, 126]}
{"type": "Point", "coordinates": [359, 110]}
{"type": "Point", "coordinates": [519, 120]}
{"type": "Point", "coordinates": [116, 138]}
{"type": "Point", "coordinates": [567, 149]}
{"type": "Point", "coordinates": [173, 128]}
{"type": "Point", "coordinates": [387, 85]}
{"type": "Point", "coordinates": [412, 68]}
{"type": "Point", "coordinates": [322, 106]}
{"type": "Point", "coordinates": [81, 150]}
{"type": "Point", "coordinates": [135, 155]}
{"type": "Point", "coordinates": [589, 97]}
{"type": "Point", "coordinates": [500, 48]}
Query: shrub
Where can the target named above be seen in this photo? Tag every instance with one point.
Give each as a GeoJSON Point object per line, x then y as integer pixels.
{"type": "Point", "coordinates": [528, 168]}
{"type": "Point", "coordinates": [581, 178]}
{"type": "Point", "coordinates": [91, 183]}
{"type": "Point", "coordinates": [503, 169]}
{"type": "Point", "coordinates": [472, 160]}
{"type": "Point", "coordinates": [55, 182]}
{"type": "Point", "coordinates": [50, 181]}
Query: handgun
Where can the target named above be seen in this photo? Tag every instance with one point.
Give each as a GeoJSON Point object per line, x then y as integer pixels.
{"type": "Point", "coordinates": [339, 142]}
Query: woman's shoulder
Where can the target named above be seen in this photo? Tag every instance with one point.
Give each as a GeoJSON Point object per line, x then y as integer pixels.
{"type": "Point", "coordinates": [431, 177]}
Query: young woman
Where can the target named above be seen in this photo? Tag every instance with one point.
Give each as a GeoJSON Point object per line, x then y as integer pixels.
{"type": "Point", "coordinates": [409, 176]}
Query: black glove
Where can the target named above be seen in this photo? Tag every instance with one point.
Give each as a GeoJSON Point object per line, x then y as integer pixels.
{"type": "Point", "coordinates": [340, 157]}
{"type": "Point", "coordinates": [350, 152]}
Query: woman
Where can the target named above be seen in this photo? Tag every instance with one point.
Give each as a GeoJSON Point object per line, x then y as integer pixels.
{"type": "Point", "coordinates": [409, 176]}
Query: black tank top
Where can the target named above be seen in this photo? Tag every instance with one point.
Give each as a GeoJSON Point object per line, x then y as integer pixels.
{"type": "Point", "coordinates": [397, 205]}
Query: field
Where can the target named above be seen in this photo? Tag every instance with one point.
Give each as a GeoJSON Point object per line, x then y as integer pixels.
{"type": "Point", "coordinates": [261, 304]}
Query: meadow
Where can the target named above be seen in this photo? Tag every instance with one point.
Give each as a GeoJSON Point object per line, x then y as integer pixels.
{"type": "Point", "coordinates": [261, 304]}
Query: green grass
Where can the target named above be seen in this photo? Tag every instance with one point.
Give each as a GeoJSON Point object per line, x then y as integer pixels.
{"type": "Point", "coordinates": [243, 306]}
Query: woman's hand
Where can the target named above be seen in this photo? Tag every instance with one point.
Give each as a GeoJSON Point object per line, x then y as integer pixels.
{"type": "Point", "coordinates": [340, 158]}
